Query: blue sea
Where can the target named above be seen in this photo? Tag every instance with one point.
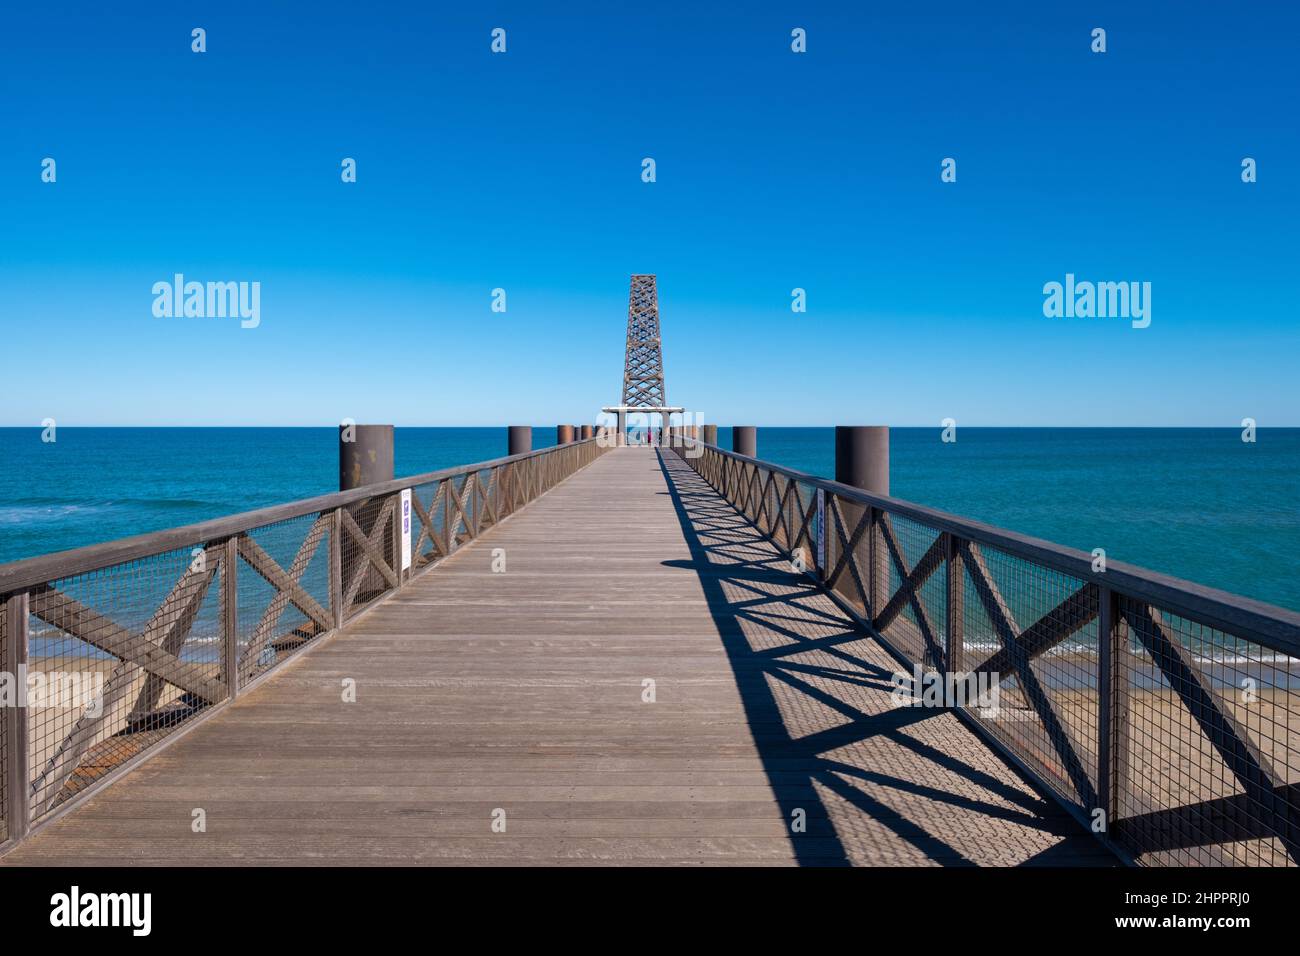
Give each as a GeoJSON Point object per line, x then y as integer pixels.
{"type": "Point", "coordinates": [1196, 503]}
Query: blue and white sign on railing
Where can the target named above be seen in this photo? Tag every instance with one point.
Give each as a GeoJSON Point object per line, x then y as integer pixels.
{"type": "Point", "coordinates": [406, 529]}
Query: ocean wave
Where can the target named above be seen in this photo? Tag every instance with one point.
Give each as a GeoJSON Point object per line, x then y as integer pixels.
{"type": "Point", "coordinates": [150, 503]}
{"type": "Point", "coordinates": [41, 512]}
{"type": "Point", "coordinates": [31, 514]}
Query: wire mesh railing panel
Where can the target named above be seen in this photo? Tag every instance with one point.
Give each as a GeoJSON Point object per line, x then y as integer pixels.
{"type": "Point", "coordinates": [761, 496]}
{"type": "Point", "coordinates": [791, 522]}
{"type": "Point", "coordinates": [783, 496]}
{"type": "Point", "coordinates": [485, 509]}
{"type": "Point", "coordinates": [775, 508]}
{"type": "Point", "coordinates": [1208, 744]}
{"type": "Point", "coordinates": [119, 658]}
{"type": "Point", "coordinates": [911, 589]}
{"type": "Point", "coordinates": [848, 553]}
{"type": "Point", "coordinates": [283, 599]}
{"type": "Point", "coordinates": [980, 640]}
{"type": "Point", "coordinates": [458, 490]}
{"type": "Point", "coordinates": [366, 551]}
{"type": "Point", "coordinates": [750, 488]}
{"type": "Point", "coordinates": [802, 516]}
{"type": "Point", "coordinates": [1030, 637]}
{"type": "Point", "coordinates": [427, 525]}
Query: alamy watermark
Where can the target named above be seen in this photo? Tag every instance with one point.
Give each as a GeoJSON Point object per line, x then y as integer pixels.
{"type": "Point", "coordinates": [1102, 300]}
{"type": "Point", "coordinates": [181, 299]}
{"type": "Point", "coordinates": [957, 689]}
{"type": "Point", "coordinates": [643, 428]}
{"type": "Point", "coordinates": [69, 690]}
{"type": "Point", "coordinates": [75, 908]}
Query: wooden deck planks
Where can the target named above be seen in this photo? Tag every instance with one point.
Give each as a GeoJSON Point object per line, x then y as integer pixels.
{"type": "Point", "coordinates": [523, 691]}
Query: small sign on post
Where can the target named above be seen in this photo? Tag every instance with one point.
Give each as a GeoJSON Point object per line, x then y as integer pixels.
{"type": "Point", "coordinates": [406, 529]}
{"type": "Point", "coordinates": [821, 529]}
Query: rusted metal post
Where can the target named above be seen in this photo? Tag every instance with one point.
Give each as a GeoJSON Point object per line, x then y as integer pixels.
{"type": "Point", "coordinates": [862, 457]}
{"type": "Point", "coordinates": [365, 455]}
{"type": "Point", "coordinates": [588, 431]}
{"type": "Point", "coordinates": [862, 460]}
{"type": "Point", "coordinates": [563, 434]}
{"type": "Point", "coordinates": [744, 440]}
{"type": "Point", "coordinates": [519, 439]}
{"type": "Point", "coordinates": [711, 435]}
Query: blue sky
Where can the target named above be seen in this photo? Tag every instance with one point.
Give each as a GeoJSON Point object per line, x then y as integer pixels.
{"type": "Point", "coordinates": [775, 171]}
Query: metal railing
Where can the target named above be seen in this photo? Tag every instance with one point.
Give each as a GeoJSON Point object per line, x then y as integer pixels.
{"type": "Point", "coordinates": [117, 646]}
{"type": "Point", "coordinates": [1164, 715]}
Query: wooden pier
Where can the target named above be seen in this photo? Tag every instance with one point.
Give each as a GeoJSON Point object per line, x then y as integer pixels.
{"type": "Point", "coordinates": [596, 653]}
{"type": "Point", "coordinates": [771, 738]}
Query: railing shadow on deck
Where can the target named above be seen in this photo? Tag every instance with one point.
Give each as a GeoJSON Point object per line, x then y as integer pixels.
{"type": "Point", "coordinates": [926, 804]}
{"type": "Point", "coordinates": [1157, 712]}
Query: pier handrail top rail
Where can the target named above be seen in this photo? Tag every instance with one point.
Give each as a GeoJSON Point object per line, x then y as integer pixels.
{"type": "Point", "coordinates": [30, 572]}
{"type": "Point", "coordinates": [1276, 627]}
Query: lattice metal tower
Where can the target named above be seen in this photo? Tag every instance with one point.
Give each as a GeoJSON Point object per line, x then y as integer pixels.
{"type": "Point", "coordinates": [643, 372]}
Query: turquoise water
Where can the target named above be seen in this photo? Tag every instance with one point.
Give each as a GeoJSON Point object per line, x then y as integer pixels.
{"type": "Point", "coordinates": [97, 484]}
{"type": "Point", "coordinates": [1196, 503]}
